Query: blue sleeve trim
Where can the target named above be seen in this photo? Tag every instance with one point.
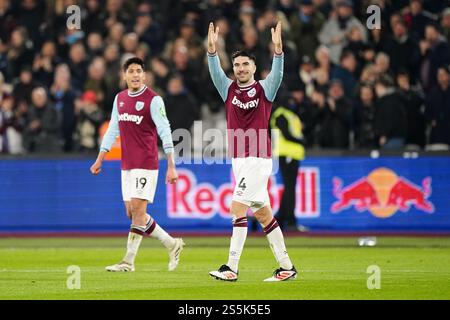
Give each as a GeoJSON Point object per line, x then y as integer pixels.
{"type": "Point", "coordinates": [158, 114]}
{"type": "Point", "coordinates": [273, 81]}
{"type": "Point", "coordinates": [218, 76]}
{"type": "Point", "coordinates": [113, 129]}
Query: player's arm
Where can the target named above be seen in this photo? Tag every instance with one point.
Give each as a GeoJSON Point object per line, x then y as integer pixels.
{"type": "Point", "coordinates": [218, 76]}
{"type": "Point", "coordinates": [273, 81]}
{"type": "Point", "coordinates": [158, 114]}
{"type": "Point", "coordinates": [108, 139]}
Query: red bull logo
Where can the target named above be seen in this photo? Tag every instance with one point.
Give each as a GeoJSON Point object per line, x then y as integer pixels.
{"type": "Point", "coordinates": [190, 199]}
{"type": "Point", "coordinates": [382, 193]}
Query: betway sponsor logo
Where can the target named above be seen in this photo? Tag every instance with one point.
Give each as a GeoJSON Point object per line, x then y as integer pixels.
{"type": "Point", "coordinates": [247, 105]}
{"type": "Point", "coordinates": [131, 117]}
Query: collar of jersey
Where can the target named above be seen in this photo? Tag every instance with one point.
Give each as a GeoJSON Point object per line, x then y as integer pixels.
{"type": "Point", "coordinates": [135, 94]}
{"type": "Point", "coordinates": [247, 86]}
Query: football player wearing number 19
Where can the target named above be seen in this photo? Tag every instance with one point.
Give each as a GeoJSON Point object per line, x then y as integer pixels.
{"type": "Point", "coordinates": [138, 116]}
{"type": "Point", "coordinates": [248, 104]}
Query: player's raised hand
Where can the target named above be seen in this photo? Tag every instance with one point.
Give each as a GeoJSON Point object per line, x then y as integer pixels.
{"type": "Point", "coordinates": [213, 36]}
{"type": "Point", "coordinates": [171, 176]}
{"type": "Point", "coordinates": [276, 38]}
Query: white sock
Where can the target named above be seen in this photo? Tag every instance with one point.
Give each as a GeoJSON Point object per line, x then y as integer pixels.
{"type": "Point", "coordinates": [134, 241]}
{"type": "Point", "coordinates": [237, 242]}
{"type": "Point", "coordinates": [276, 241]}
{"type": "Point", "coordinates": [163, 236]}
{"type": "Point", "coordinates": [154, 230]}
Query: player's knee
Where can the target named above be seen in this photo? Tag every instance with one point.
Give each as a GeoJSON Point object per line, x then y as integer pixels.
{"type": "Point", "coordinates": [138, 216]}
{"type": "Point", "coordinates": [136, 212]}
{"type": "Point", "coordinates": [263, 217]}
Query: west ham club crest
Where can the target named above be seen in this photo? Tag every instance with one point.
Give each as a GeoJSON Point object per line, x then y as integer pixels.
{"type": "Point", "coordinates": [139, 105]}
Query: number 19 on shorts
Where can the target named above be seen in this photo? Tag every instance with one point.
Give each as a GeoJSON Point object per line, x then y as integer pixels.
{"type": "Point", "coordinates": [139, 184]}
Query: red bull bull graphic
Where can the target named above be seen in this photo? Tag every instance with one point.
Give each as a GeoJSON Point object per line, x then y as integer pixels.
{"type": "Point", "coordinates": [382, 193]}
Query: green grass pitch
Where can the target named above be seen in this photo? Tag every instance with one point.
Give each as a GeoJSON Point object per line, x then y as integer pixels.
{"type": "Point", "coordinates": [329, 268]}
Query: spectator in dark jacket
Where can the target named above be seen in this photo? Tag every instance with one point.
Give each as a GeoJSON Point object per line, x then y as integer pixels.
{"type": "Point", "coordinates": [31, 15]}
{"type": "Point", "coordinates": [415, 134]}
{"type": "Point", "coordinates": [78, 65]}
{"type": "Point", "coordinates": [295, 99]}
{"type": "Point", "coordinates": [346, 73]}
{"type": "Point", "coordinates": [358, 47]}
{"type": "Point", "coordinates": [418, 19]}
{"type": "Point", "coordinates": [390, 115]}
{"type": "Point", "coordinates": [114, 13]}
{"type": "Point", "coordinates": [147, 28]}
{"type": "Point", "coordinates": [305, 27]}
{"type": "Point", "coordinates": [20, 52]}
{"type": "Point", "coordinates": [92, 22]}
{"type": "Point", "coordinates": [63, 96]}
{"type": "Point", "coordinates": [336, 118]}
{"type": "Point", "coordinates": [189, 69]}
{"type": "Point", "coordinates": [436, 53]}
{"type": "Point", "coordinates": [364, 118]}
{"type": "Point", "coordinates": [161, 70]}
{"type": "Point", "coordinates": [44, 64]}
{"type": "Point", "coordinates": [403, 51]}
{"type": "Point", "coordinates": [96, 80]}
{"type": "Point", "coordinates": [94, 45]}
{"type": "Point", "coordinates": [7, 22]}
{"type": "Point", "coordinates": [438, 108]}
{"type": "Point", "coordinates": [25, 85]}
{"type": "Point", "coordinates": [43, 125]}
{"type": "Point", "coordinates": [181, 106]}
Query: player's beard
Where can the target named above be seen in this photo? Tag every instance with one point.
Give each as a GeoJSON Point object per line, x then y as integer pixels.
{"type": "Point", "coordinates": [245, 80]}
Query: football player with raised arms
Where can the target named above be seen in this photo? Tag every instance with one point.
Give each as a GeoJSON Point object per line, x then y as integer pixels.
{"type": "Point", "coordinates": [248, 104]}
{"type": "Point", "coordinates": [139, 116]}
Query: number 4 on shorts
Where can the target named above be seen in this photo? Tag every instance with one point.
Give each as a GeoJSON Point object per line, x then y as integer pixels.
{"type": "Point", "coordinates": [242, 184]}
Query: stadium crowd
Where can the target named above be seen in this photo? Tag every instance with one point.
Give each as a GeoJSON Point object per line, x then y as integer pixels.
{"type": "Point", "coordinates": [353, 87]}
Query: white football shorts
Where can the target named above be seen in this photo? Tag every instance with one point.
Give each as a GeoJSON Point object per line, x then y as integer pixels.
{"type": "Point", "coordinates": [252, 176]}
{"type": "Point", "coordinates": [139, 183]}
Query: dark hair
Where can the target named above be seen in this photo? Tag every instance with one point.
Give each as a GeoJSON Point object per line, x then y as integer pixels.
{"type": "Point", "coordinates": [134, 60]}
{"type": "Point", "coordinates": [403, 73]}
{"type": "Point", "coordinates": [346, 54]}
{"type": "Point", "coordinates": [435, 26]}
{"type": "Point", "coordinates": [366, 84]}
{"type": "Point", "coordinates": [445, 68]}
{"type": "Point", "coordinates": [243, 53]}
{"type": "Point", "coordinates": [402, 23]}
{"type": "Point", "coordinates": [385, 80]}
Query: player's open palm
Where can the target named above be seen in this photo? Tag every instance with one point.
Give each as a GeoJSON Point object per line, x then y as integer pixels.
{"type": "Point", "coordinates": [213, 36]}
{"type": "Point", "coordinates": [276, 38]}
